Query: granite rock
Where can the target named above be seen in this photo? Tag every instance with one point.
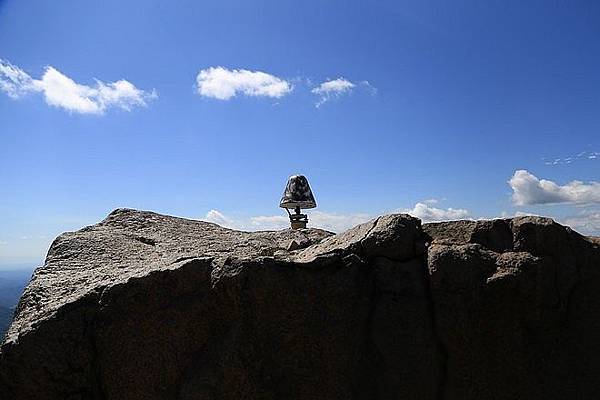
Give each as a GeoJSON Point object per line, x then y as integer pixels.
{"type": "Point", "coordinates": [147, 306]}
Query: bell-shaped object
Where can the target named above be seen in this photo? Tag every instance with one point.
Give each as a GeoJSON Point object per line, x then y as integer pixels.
{"type": "Point", "coordinates": [297, 194]}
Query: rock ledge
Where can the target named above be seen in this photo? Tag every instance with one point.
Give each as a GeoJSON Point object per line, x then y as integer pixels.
{"type": "Point", "coordinates": [147, 306]}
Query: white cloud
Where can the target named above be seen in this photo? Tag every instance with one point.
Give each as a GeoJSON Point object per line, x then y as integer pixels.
{"type": "Point", "coordinates": [334, 222]}
{"type": "Point", "coordinates": [337, 222]}
{"type": "Point", "coordinates": [331, 89]}
{"type": "Point", "coordinates": [14, 81]}
{"type": "Point", "coordinates": [586, 222]}
{"type": "Point", "coordinates": [589, 155]}
{"type": "Point", "coordinates": [428, 213]}
{"type": "Point", "coordinates": [216, 217]}
{"type": "Point", "coordinates": [334, 86]}
{"type": "Point", "coordinates": [223, 84]}
{"type": "Point", "coordinates": [61, 91]}
{"type": "Point", "coordinates": [270, 222]}
{"type": "Point", "coordinates": [526, 214]}
{"type": "Point", "coordinates": [528, 190]}
{"type": "Point", "coordinates": [506, 214]}
{"type": "Point", "coordinates": [317, 219]}
{"type": "Point", "coordinates": [3, 243]}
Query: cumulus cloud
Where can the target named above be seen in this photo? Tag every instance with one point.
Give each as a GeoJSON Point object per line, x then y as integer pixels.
{"type": "Point", "coordinates": [217, 217]}
{"type": "Point", "coordinates": [332, 89]}
{"type": "Point", "coordinates": [529, 190]}
{"type": "Point", "coordinates": [428, 213]}
{"type": "Point", "coordinates": [224, 84]}
{"type": "Point", "coordinates": [61, 91]}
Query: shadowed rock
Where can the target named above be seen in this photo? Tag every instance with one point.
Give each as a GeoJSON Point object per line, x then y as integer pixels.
{"type": "Point", "coordinates": [146, 306]}
{"type": "Point", "coordinates": [517, 309]}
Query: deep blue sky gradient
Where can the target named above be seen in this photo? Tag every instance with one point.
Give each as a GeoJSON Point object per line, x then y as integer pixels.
{"type": "Point", "coordinates": [467, 93]}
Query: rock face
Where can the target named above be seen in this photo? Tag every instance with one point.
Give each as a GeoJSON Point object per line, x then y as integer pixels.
{"type": "Point", "coordinates": [145, 306]}
{"type": "Point", "coordinates": [517, 309]}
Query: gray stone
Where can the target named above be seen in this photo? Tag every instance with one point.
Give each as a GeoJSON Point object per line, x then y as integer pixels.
{"type": "Point", "coordinates": [396, 236]}
{"type": "Point", "coordinates": [146, 306]}
{"type": "Point", "coordinates": [516, 319]}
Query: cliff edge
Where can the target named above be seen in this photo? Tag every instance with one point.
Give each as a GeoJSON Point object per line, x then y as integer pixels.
{"type": "Point", "coordinates": [147, 306]}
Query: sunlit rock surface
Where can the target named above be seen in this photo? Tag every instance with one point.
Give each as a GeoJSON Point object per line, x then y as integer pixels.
{"type": "Point", "coordinates": [147, 306]}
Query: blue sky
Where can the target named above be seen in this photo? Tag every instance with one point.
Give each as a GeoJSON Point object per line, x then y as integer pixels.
{"type": "Point", "coordinates": [462, 109]}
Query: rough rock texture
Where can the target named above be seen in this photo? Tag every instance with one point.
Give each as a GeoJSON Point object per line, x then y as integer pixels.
{"type": "Point", "coordinates": [517, 309]}
{"type": "Point", "coordinates": [145, 306]}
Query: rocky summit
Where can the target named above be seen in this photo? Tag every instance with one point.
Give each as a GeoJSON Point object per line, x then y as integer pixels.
{"type": "Point", "coordinates": [147, 306]}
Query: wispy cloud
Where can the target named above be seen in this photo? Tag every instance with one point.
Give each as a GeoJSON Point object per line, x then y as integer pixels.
{"type": "Point", "coordinates": [428, 213]}
{"type": "Point", "coordinates": [61, 91]}
{"type": "Point", "coordinates": [224, 84]}
{"type": "Point", "coordinates": [332, 89]}
{"type": "Point", "coordinates": [529, 190]}
{"type": "Point", "coordinates": [269, 222]}
{"type": "Point", "coordinates": [335, 88]}
{"type": "Point", "coordinates": [584, 155]}
{"type": "Point", "coordinates": [14, 81]}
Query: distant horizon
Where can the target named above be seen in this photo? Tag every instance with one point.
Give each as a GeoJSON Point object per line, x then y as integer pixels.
{"type": "Point", "coordinates": [32, 264]}
{"type": "Point", "coordinates": [15, 267]}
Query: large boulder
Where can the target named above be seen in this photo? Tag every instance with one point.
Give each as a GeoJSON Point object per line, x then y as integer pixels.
{"type": "Point", "coordinates": [516, 308]}
{"type": "Point", "coordinates": [146, 306]}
